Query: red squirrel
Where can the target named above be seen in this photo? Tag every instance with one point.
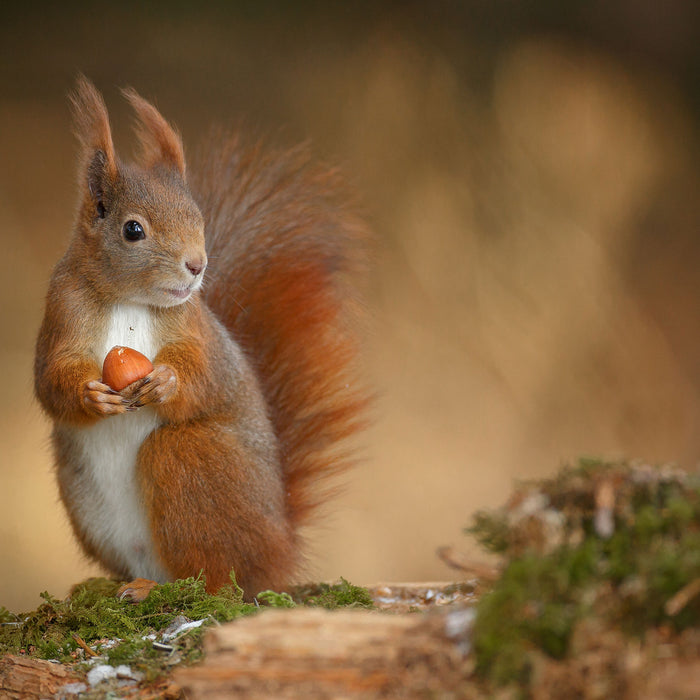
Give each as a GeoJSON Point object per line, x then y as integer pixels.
{"type": "Point", "coordinates": [214, 461]}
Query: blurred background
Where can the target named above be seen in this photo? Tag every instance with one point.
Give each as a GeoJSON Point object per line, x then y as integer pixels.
{"type": "Point", "coordinates": [531, 172]}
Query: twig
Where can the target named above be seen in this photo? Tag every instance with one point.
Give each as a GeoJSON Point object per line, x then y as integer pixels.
{"type": "Point", "coordinates": [83, 645]}
{"type": "Point", "coordinates": [682, 598]}
{"type": "Point", "coordinates": [457, 560]}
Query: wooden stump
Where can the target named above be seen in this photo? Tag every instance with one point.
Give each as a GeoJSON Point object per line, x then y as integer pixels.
{"type": "Point", "coordinates": [315, 654]}
{"type": "Point", "coordinates": [21, 677]}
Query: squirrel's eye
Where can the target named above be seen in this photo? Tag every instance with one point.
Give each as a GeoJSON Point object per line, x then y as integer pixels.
{"type": "Point", "coordinates": [133, 231]}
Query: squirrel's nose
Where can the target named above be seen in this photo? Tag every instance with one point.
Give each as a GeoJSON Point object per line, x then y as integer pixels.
{"type": "Point", "coordinates": [196, 266]}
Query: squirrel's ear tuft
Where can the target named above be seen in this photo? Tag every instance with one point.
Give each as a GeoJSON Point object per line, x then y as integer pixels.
{"type": "Point", "coordinates": [91, 123]}
{"type": "Point", "coordinates": [160, 143]}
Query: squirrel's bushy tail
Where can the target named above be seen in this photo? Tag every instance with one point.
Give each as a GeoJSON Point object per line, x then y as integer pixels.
{"type": "Point", "coordinates": [285, 255]}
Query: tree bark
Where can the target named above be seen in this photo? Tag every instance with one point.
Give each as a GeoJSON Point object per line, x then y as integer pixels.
{"type": "Point", "coordinates": [21, 677]}
{"type": "Point", "coordinates": [317, 654]}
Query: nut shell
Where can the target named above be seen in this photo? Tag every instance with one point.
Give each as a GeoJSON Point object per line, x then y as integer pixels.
{"type": "Point", "coordinates": [123, 366]}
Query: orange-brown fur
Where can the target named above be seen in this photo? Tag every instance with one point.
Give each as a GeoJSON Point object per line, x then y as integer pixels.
{"type": "Point", "coordinates": [253, 388]}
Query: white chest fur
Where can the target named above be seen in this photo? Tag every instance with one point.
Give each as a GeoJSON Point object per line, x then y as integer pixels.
{"type": "Point", "coordinates": [130, 325]}
{"type": "Point", "coordinates": [117, 518]}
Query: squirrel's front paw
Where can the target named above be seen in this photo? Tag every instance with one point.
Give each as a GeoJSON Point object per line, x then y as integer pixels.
{"type": "Point", "coordinates": [100, 400]}
{"type": "Point", "coordinates": [157, 387]}
{"type": "Point", "coordinates": [136, 591]}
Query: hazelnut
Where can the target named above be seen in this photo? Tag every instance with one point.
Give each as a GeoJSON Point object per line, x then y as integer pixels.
{"type": "Point", "coordinates": [122, 366]}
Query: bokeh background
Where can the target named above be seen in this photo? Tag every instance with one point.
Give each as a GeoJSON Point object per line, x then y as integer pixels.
{"type": "Point", "coordinates": [531, 171]}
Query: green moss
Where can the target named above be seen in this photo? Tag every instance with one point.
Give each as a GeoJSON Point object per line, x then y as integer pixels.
{"type": "Point", "coordinates": [326, 595]}
{"type": "Point", "coordinates": [626, 577]}
{"type": "Point", "coordinates": [490, 531]}
{"type": "Point", "coordinates": [93, 613]}
{"type": "Point", "coordinates": [276, 600]}
{"type": "Point", "coordinates": [188, 597]}
{"type": "Point", "coordinates": [124, 632]}
{"type": "Point", "coordinates": [536, 603]}
{"type": "Point", "coordinates": [331, 596]}
{"type": "Point", "coordinates": [6, 616]}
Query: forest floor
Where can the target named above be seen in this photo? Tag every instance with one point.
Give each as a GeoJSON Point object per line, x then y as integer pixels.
{"type": "Point", "coordinates": [593, 591]}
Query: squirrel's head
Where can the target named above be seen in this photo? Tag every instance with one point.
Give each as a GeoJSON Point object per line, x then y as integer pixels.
{"type": "Point", "coordinates": [140, 232]}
